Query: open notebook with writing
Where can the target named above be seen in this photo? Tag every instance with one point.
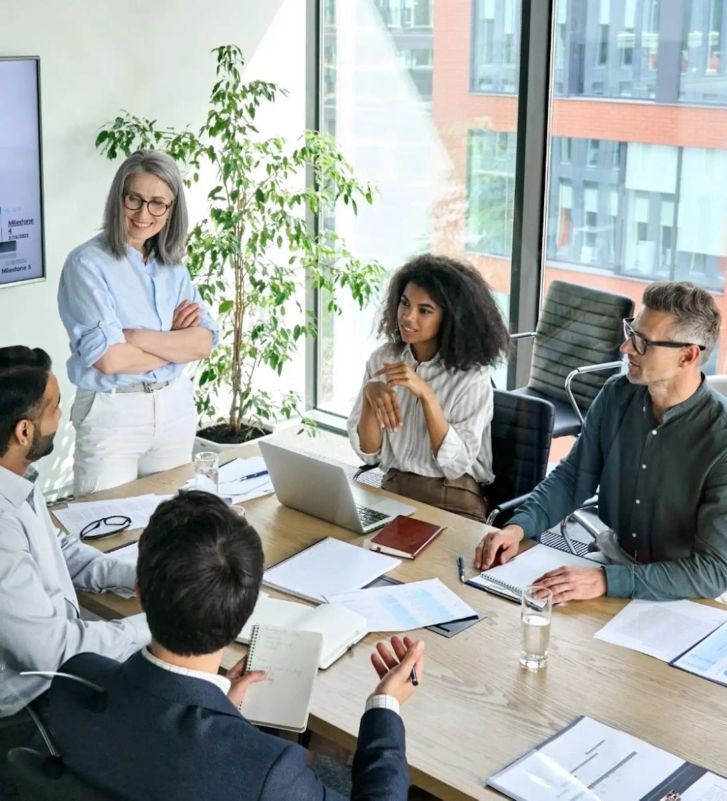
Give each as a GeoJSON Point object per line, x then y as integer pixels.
{"type": "Point", "coordinates": [290, 658]}
{"type": "Point", "coordinates": [510, 579]}
{"type": "Point", "coordinates": [340, 627]}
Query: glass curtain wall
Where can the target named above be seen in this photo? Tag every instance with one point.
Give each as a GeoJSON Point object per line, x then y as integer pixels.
{"type": "Point", "coordinates": [421, 97]}
{"type": "Point", "coordinates": [638, 152]}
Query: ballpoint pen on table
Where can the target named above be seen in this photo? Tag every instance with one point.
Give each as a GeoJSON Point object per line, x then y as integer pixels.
{"type": "Point", "coordinates": [245, 478]}
{"type": "Point", "coordinates": [460, 567]}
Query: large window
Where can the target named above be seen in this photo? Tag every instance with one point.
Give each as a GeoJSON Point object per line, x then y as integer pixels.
{"type": "Point", "coordinates": [422, 98]}
{"type": "Point", "coordinates": [633, 187]}
{"type": "Point", "coordinates": [399, 96]}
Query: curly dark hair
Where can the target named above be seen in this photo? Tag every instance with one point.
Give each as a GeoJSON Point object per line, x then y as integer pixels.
{"type": "Point", "coordinates": [472, 331]}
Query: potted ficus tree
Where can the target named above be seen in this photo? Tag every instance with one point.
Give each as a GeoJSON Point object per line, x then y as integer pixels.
{"type": "Point", "coordinates": [257, 249]}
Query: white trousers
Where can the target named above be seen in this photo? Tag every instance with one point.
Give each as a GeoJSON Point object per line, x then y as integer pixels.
{"type": "Point", "coordinates": [123, 436]}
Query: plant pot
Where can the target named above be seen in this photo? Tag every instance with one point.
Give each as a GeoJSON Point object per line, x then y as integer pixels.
{"type": "Point", "coordinates": [223, 441]}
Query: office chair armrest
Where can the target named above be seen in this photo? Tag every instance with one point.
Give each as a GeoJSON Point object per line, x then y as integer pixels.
{"type": "Point", "coordinates": [364, 469]}
{"type": "Point", "coordinates": [523, 335]}
{"type": "Point", "coordinates": [588, 368]}
{"type": "Point", "coordinates": [506, 506]}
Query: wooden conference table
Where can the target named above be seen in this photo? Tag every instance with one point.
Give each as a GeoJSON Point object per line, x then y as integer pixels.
{"type": "Point", "coordinates": [476, 710]}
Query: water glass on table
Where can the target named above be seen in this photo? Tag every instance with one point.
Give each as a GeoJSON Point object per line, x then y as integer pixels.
{"type": "Point", "coordinates": [535, 611]}
{"type": "Point", "coordinates": [207, 472]}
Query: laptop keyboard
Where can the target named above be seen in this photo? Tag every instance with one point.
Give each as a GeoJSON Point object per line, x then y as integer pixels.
{"type": "Point", "coordinates": [369, 517]}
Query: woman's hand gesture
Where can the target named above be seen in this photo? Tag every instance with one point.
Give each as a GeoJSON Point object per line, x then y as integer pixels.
{"type": "Point", "coordinates": [401, 374]}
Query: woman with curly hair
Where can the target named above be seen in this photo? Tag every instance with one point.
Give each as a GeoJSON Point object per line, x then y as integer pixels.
{"type": "Point", "coordinates": [425, 406]}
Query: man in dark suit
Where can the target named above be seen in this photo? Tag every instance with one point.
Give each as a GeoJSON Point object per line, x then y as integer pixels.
{"type": "Point", "coordinates": [166, 725]}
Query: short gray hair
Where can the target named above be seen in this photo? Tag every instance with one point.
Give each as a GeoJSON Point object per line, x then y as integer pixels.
{"type": "Point", "coordinates": [168, 246]}
{"type": "Point", "coordinates": [697, 317]}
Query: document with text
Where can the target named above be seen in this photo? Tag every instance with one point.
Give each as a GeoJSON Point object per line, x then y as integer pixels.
{"type": "Point", "coordinates": [662, 629]}
{"type": "Point", "coordinates": [402, 607]}
{"type": "Point", "coordinates": [707, 658]}
{"type": "Point", "coordinates": [589, 761]}
{"type": "Point", "coordinates": [78, 515]}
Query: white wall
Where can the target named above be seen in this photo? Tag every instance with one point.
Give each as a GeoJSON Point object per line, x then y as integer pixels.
{"type": "Point", "coordinates": [150, 57]}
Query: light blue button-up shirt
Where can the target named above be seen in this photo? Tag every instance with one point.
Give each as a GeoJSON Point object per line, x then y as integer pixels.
{"type": "Point", "coordinates": [100, 295]}
{"type": "Point", "coordinates": [40, 622]}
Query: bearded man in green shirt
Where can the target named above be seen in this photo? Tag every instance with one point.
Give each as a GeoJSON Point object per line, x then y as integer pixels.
{"type": "Point", "coordinates": [654, 445]}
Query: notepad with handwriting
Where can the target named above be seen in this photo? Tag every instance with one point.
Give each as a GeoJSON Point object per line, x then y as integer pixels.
{"type": "Point", "coordinates": [290, 658]}
{"type": "Point", "coordinates": [340, 627]}
{"type": "Point", "coordinates": [510, 579]}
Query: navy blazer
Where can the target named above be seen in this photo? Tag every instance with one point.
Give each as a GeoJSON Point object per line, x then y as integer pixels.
{"type": "Point", "coordinates": [157, 735]}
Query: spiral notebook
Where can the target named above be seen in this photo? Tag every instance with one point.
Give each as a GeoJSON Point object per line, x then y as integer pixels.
{"type": "Point", "coordinates": [510, 579]}
{"type": "Point", "coordinates": [340, 627]}
{"type": "Point", "coordinates": [290, 658]}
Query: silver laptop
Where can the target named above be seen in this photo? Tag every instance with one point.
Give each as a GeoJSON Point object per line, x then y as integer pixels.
{"type": "Point", "coordinates": [322, 489]}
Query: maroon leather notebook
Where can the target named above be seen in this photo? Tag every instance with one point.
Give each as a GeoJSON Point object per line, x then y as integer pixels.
{"type": "Point", "coordinates": [405, 537]}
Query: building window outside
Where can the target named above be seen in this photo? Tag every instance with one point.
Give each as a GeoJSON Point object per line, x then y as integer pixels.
{"type": "Point", "coordinates": [656, 182]}
{"type": "Point", "coordinates": [592, 153]}
{"type": "Point", "coordinates": [495, 46]}
{"type": "Point", "coordinates": [490, 192]}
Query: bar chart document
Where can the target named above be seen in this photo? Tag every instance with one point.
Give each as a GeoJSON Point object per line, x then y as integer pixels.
{"type": "Point", "coordinates": [590, 761]}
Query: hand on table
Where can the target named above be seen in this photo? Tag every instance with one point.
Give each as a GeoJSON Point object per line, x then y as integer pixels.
{"type": "Point", "coordinates": [570, 583]}
{"type": "Point", "coordinates": [241, 681]}
{"type": "Point", "coordinates": [394, 669]}
{"type": "Point", "coordinates": [498, 547]}
{"type": "Point", "coordinates": [186, 315]}
{"type": "Point", "coordinates": [384, 404]}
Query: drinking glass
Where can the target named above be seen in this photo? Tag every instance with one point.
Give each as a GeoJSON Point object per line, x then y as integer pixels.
{"type": "Point", "coordinates": [535, 611]}
{"type": "Point", "coordinates": [206, 472]}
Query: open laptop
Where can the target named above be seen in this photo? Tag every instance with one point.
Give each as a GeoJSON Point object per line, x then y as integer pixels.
{"type": "Point", "coordinates": [322, 489]}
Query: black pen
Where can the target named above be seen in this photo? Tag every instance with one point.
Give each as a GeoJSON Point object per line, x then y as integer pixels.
{"type": "Point", "coordinates": [460, 566]}
{"type": "Point", "coordinates": [413, 677]}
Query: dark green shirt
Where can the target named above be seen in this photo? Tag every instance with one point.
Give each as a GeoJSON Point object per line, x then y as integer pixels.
{"type": "Point", "coordinates": [662, 487]}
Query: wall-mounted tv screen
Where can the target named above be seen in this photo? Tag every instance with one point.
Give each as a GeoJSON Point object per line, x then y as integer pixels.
{"type": "Point", "coordinates": [22, 255]}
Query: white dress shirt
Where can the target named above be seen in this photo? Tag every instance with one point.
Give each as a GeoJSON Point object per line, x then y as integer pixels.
{"type": "Point", "coordinates": [40, 623]}
{"type": "Point", "coordinates": [220, 682]}
{"type": "Point", "coordinates": [467, 401]}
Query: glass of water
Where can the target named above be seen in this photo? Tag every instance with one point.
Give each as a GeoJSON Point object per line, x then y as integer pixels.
{"type": "Point", "coordinates": [206, 472]}
{"type": "Point", "coordinates": [535, 610]}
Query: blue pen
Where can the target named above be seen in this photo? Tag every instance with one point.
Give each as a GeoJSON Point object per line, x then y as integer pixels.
{"type": "Point", "coordinates": [245, 478]}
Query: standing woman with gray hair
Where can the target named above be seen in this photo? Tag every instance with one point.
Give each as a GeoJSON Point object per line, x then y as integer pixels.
{"type": "Point", "coordinates": [134, 319]}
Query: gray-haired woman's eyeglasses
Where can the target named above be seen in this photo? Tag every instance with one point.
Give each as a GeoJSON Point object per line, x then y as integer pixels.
{"type": "Point", "coordinates": [157, 208]}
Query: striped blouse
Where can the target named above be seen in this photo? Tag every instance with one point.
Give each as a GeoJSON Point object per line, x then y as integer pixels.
{"type": "Point", "coordinates": [466, 400]}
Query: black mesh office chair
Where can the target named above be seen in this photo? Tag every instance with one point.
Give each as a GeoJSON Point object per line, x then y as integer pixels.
{"type": "Point", "coordinates": [576, 345]}
{"type": "Point", "coordinates": [45, 778]}
{"type": "Point", "coordinates": [522, 428]}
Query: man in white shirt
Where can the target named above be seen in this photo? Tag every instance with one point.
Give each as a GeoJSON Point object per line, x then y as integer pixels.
{"type": "Point", "coordinates": [166, 725]}
{"type": "Point", "coordinates": [41, 626]}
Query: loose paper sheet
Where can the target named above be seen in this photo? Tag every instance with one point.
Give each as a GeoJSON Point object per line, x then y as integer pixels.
{"type": "Point", "coordinates": [78, 515]}
{"type": "Point", "coordinates": [402, 607]}
{"type": "Point", "coordinates": [663, 629]}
